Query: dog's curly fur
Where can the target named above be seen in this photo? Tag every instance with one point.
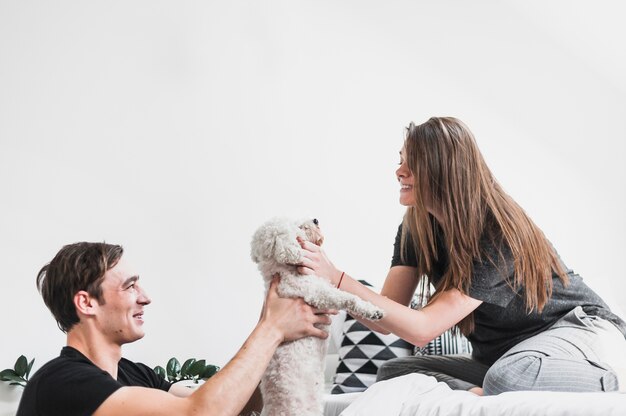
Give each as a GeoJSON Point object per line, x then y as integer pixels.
{"type": "Point", "coordinates": [293, 382]}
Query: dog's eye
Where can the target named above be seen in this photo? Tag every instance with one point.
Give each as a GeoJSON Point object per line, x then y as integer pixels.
{"type": "Point", "coordinates": [315, 221]}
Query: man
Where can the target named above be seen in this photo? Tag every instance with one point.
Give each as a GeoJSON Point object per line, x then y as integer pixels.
{"type": "Point", "coordinates": [96, 298]}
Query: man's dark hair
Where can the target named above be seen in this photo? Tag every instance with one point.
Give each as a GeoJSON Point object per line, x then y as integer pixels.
{"type": "Point", "coordinates": [76, 267]}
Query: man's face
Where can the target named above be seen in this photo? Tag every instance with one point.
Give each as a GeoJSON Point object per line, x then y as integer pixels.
{"type": "Point", "coordinates": [120, 317]}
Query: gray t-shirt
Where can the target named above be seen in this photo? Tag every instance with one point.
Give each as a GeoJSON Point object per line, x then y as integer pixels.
{"type": "Point", "coordinates": [502, 321]}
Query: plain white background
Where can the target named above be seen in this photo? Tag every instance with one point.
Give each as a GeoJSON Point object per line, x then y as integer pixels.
{"type": "Point", "coordinates": [176, 128]}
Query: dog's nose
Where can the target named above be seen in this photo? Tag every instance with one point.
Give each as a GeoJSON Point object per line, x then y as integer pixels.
{"type": "Point", "coordinates": [315, 221]}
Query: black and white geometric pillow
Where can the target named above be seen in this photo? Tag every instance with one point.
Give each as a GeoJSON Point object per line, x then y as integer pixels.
{"type": "Point", "coordinates": [361, 353]}
{"type": "Point", "coordinates": [450, 342]}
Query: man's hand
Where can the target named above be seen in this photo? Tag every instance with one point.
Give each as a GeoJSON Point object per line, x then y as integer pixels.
{"type": "Point", "coordinates": [293, 318]}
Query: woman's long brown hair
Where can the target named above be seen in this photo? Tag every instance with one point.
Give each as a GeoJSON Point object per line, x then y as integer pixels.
{"type": "Point", "coordinates": [452, 178]}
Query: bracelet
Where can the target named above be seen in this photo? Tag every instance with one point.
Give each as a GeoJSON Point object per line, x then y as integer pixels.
{"type": "Point", "coordinates": [340, 279]}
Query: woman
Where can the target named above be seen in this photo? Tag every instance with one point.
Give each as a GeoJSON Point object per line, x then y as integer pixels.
{"type": "Point", "coordinates": [533, 323]}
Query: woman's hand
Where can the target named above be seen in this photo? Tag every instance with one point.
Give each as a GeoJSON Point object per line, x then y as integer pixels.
{"type": "Point", "coordinates": [315, 261]}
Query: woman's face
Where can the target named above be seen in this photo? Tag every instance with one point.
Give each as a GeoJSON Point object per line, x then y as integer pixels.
{"type": "Point", "coordinates": [405, 177]}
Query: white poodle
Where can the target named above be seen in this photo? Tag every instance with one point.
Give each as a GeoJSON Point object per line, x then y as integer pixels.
{"type": "Point", "coordinates": [293, 382]}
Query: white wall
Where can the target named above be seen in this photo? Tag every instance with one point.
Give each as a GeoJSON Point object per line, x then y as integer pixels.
{"type": "Point", "coordinates": [176, 128]}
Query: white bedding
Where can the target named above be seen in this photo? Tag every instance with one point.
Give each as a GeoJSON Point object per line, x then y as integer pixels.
{"type": "Point", "coordinates": [334, 404]}
{"type": "Point", "coordinates": [420, 395]}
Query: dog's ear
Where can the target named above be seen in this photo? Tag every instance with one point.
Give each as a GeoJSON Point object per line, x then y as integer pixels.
{"type": "Point", "coordinates": [276, 240]}
{"type": "Point", "coordinates": [287, 250]}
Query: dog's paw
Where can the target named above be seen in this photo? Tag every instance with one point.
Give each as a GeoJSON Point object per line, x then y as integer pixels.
{"type": "Point", "coordinates": [372, 315]}
{"type": "Point", "coordinates": [376, 316]}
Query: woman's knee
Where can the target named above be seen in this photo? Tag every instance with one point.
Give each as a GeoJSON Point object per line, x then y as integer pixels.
{"type": "Point", "coordinates": [535, 371]}
{"type": "Point", "coordinates": [516, 372]}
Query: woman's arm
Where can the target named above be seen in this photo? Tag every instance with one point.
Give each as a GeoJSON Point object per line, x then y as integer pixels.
{"type": "Point", "coordinates": [415, 326]}
{"type": "Point", "coordinates": [399, 286]}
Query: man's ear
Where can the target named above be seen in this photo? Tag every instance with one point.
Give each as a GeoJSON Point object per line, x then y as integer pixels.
{"type": "Point", "coordinates": [85, 304]}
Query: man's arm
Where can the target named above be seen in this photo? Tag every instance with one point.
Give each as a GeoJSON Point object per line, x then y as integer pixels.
{"type": "Point", "coordinates": [227, 392]}
{"type": "Point", "coordinates": [255, 403]}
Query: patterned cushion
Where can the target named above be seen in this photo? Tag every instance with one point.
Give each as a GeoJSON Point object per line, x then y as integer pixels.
{"type": "Point", "coordinates": [361, 353]}
{"type": "Point", "coordinates": [445, 344]}
{"type": "Point", "coordinates": [450, 342]}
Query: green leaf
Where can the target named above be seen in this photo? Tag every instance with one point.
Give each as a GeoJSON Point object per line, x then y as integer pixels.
{"type": "Point", "coordinates": [21, 366]}
{"type": "Point", "coordinates": [160, 371]}
{"type": "Point", "coordinates": [209, 371]}
{"type": "Point", "coordinates": [197, 368]}
{"type": "Point", "coordinates": [184, 371]}
{"type": "Point", "coordinates": [173, 369]}
{"type": "Point", "coordinates": [30, 367]}
{"type": "Point", "coordinates": [12, 378]}
{"type": "Point", "coordinates": [6, 375]}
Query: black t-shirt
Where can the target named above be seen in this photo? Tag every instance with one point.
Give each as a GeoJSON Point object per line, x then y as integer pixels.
{"type": "Point", "coordinates": [502, 321]}
{"type": "Point", "coordinates": [71, 385]}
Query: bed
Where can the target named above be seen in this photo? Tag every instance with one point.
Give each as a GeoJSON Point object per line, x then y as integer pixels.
{"type": "Point", "coordinates": [419, 395]}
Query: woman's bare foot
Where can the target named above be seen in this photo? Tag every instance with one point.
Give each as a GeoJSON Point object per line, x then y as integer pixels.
{"type": "Point", "coordinates": [476, 390]}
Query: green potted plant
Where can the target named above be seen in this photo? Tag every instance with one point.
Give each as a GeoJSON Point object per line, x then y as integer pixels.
{"type": "Point", "coordinates": [13, 382]}
{"type": "Point", "coordinates": [18, 376]}
{"type": "Point", "coordinates": [192, 371]}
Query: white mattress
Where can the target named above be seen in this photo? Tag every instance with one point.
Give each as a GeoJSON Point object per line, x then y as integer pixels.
{"type": "Point", "coordinates": [334, 404]}
{"type": "Point", "coordinates": [419, 395]}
